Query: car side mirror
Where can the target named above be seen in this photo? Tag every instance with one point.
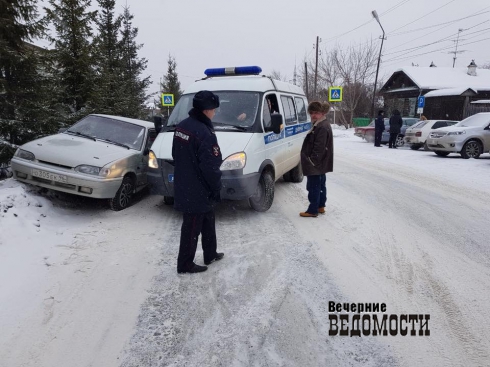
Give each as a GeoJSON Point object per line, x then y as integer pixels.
{"type": "Point", "coordinates": [62, 130]}
{"type": "Point", "coordinates": [276, 123]}
{"type": "Point", "coordinates": [146, 151]}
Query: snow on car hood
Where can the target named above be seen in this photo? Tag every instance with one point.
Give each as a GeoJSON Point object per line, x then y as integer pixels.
{"type": "Point", "coordinates": [229, 143]}
{"type": "Point", "coordinates": [69, 150]}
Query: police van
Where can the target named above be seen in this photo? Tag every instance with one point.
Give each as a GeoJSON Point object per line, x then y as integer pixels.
{"type": "Point", "coordinates": [260, 126]}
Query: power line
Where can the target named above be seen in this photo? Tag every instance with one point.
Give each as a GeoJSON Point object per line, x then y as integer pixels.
{"type": "Point", "coordinates": [423, 16]}
{"type": "Point", "coordinates": [430, 52]}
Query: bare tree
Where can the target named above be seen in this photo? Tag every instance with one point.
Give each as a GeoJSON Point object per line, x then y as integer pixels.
{"type": "Point", "coordinates": [352, 68]}
{"type": "Point", "coordinates": [278, 76]}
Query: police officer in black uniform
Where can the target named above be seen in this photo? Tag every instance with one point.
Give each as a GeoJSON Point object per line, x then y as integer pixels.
{"type": "Point", "coordinates": [197, 182]}
{"type": "Point", "coordinates": [379, 127]}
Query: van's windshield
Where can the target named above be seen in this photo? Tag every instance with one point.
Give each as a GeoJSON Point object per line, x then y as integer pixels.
{"type": "Point", "coordinates": [237, 110]}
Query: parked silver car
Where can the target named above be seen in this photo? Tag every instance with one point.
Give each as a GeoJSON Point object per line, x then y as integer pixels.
{"type": "Point", "coordinates": [101, 156]}
{"type": "Point", "coordinates": [470, 137]}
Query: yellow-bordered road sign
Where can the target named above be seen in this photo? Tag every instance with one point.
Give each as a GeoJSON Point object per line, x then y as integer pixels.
{"type": "Point", "coordinates": [335, 94]}
{"type": "Point", "coordinates": [168, 100]}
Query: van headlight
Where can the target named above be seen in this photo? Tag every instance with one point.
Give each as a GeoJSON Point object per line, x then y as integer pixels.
{"type": "Point", "coordinates": [152, 160]}
{"type": "Point", "coordinates": [456, 132]}
{"type": "Point", "coordinates": [24, 154]}
{"type": "Point", "coordinates": [234, 161]}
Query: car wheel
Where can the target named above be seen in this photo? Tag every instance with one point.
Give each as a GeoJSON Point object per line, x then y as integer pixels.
{"type": "Point", "coordinates": [263, 197]}
{"type": "Point", "coordinates": [122, 199]}
{"type": "Point", "coordinates": [415, 147]}
{"type": "Point", "coordinates": [426, 147]}
{"type": "Point", "coordinates": [472, 149]}
{"type": "Point", "coordinates": [441, 154]}
{"type": "Point", "coordinates": [168, 200]}
{"type": "Point", "coordinates": [400, 141]}
{"type": "Point", "coordinates": [296, 174]}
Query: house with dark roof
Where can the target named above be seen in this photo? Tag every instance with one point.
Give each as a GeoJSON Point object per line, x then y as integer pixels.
{"type": "Point", "coordinates": [450, 93]}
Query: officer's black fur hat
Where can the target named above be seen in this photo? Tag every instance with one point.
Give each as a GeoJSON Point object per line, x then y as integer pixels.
{"type": "Point", "coordinates": [205, 100]}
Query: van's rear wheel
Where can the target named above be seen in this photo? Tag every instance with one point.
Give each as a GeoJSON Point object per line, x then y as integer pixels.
{"type": "Point", "coordinates": [168, 200]}
{"type": "Point", "coordinates": [296, 174]}
{"type": "Point", "coordinates": [263, 197]}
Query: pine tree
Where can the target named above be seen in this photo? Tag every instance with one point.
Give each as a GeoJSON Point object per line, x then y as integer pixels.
{"type": "Point", "coordinates": [132, 103]}
{"type": "Point", "coordinates": [171, 84]}
{"type": "Point", "coordinates": [73, 71]}
{"type": "Point", "coordinates": [107, 61]}
{"type": "Point", "coordinates": [23, 109]}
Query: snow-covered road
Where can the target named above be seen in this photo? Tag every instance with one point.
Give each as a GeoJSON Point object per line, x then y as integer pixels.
{"type": "Point", "coordinates": [91, 287]}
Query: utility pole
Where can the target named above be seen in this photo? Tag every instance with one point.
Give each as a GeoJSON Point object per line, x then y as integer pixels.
{"type": "Point", "coordinates": [375, 16]}
{"type": "Point", "coordinates": [316, 68]}
{"type": "Point", "coordinates": [306, 79]}
{"type": "Point", "coordinates": [456, 50]}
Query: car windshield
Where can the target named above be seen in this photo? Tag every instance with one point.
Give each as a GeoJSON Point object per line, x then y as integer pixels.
{"type": "Point", "coordinates": [237, 110]}
{"type": "Point", "coordinates": [109, 129]}
{"type": "Point", "coordinates": [475, 121]}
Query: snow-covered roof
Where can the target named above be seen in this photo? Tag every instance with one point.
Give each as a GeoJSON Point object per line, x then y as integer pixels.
{"type": "Point", "coordinates": [481, 101]}
{"type": "Point", "coordinates": [442, 78]}
{"type": "Point", "coordinates": [449, 92]}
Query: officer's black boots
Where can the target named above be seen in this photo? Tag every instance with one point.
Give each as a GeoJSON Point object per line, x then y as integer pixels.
{"type": "Point", "coordinates": [194, 269]}
{"type": "Point", "coordinates": [219, 256]}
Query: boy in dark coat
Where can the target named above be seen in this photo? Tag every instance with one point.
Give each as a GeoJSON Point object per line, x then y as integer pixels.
{"type": "Point", "coordinates": [197, 181]}
{"type": "Point", "coordinates": [317, 158]}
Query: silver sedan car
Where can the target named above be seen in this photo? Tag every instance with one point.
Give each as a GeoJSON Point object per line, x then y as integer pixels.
{"type": "Point", "coordinates": [470, 137]}
{"type": "Point", "coordinates": [101, 156]}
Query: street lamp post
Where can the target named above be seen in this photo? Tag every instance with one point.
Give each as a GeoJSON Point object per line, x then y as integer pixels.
{"type": "Point", "coordinates": [375, 16]}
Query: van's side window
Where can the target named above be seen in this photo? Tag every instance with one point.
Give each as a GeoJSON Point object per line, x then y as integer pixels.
{"type": "Point", "coordinates": [290, 117]}
{"type": "Point", "coordinates": [301, 107]}
{"type": "Point", "coordinates": [269, 107]}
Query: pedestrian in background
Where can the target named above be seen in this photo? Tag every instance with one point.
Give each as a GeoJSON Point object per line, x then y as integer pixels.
{"type": "Point", "coordinates": [379, 127]}
{"type": "Point", "coordinates": [317, 158]}
{"type": "Point", "coordinates": [197, 182]}
{"type": "Point", "coordinates": [396, 123]}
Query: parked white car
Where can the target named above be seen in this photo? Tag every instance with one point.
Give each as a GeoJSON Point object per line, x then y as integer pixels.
{"type": "Point", "coordinates": [101, 156]}
{"type": "Point", "coordinates": [470, 137]}
{"type": "Point", "coordinates": [416, 135]}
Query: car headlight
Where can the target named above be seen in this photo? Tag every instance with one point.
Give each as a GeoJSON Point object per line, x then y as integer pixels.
{"type": "Point", "coordinates": [152, 160]}
{"type": "Point", "coordinates": [456, 132]}
{"type": "Point", "coordinates": [234, 161]}
{"type": "Point", "coordinates": [24, 154]}
{"type": "Point", "coordinates": [89, 170]}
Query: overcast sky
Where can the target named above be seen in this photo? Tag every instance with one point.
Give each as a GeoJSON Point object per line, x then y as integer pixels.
{"type": "Point", "coordinates": [278, 34]}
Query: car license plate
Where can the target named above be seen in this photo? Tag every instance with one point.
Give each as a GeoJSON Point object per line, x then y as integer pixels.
{"type": "Point", "coordinates": [171, 178]}
{"type": "Point", "coordinates": [48, 175]}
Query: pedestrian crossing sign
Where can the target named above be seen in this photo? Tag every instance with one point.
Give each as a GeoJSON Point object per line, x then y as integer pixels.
{"type": "Point", "coordinates": [335, 94]}
{"type": "Point", "coordinates": [167, 100]}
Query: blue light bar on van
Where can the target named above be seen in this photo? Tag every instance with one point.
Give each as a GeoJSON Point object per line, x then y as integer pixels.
{"type": "Point", "coordinates": [239, 70]}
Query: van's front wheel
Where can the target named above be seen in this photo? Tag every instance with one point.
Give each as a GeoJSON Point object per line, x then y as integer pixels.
{"type": "Point", "coordinates": [263, 197]}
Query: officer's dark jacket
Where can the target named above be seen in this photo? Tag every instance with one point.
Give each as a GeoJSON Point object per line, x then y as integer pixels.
{"type": "Point", "coordinates": [379, 123]}
{"type": "Point", "coordinates": [197, 158]}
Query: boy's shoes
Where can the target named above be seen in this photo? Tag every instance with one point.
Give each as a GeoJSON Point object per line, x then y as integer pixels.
{"type": "Point", "coordinates": [194, 269]}
{"type": "Point", "coordinates": [321, 210]}
{"type": "Point", "coordinates": [308, 215]}
{"type": "Point", "coordinates": [218, 256]}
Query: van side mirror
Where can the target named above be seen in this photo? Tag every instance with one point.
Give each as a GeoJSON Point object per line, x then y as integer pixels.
{"type": "Point", "coordinates": [276, 123]}
{"type": "Point", "coordinates": [158, 122]}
